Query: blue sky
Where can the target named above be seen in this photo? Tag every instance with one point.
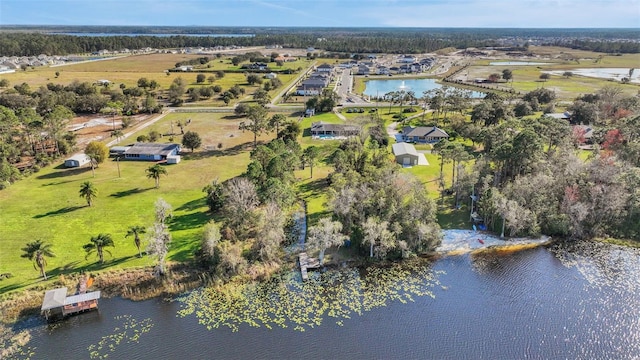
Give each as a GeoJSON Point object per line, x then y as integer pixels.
{"type": "Point", "coordinates": [326, 13]}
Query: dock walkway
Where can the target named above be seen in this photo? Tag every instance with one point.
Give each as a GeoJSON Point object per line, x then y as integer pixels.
{"type": "Point", "coordinates": [307, 262]}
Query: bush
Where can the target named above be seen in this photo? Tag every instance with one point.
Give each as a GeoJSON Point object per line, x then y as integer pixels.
{"type": "Point", "coordinates": [409, 110]}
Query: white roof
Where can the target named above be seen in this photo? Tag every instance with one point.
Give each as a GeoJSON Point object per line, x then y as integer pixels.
{"type": "Point", "coordinates": [79, 157]}
{"type": "Point", "coordinates": [402, 148]}
{"type": "Point", "coordinates": [94, 295]}
{"type": "Point", "coordinates": [54, 299]}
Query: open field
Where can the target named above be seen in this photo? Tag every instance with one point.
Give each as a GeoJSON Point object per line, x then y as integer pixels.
{"type": "Point", "coordinates": [47, 205]}
{"type": "Point", "coordinates": [127, 70]}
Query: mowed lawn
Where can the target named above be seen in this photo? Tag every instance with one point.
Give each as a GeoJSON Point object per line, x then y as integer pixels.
{"type": "Point", "coordinates": [47, 205]}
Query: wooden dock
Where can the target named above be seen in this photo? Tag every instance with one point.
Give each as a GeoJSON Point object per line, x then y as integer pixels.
{"type": "Point", "coordinates": [307, 262]}
{"type": "Point", "coordinates": [56, 304]}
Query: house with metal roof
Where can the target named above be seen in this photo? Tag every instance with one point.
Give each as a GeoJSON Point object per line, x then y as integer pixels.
{"type": "Point", "coordinates": [407, 155]}
{"type": "Point", "coordinates": [320, 129]}
{"type": "Point", "coordinates": [151, 151]}
{"type": "Point", "coordinates": [423, 134]}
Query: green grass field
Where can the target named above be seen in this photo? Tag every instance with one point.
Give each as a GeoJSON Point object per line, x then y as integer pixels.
{"type": "Point", "coordinates": [47, 205]}
{"type": "Point", "coordinates": [127, 70]}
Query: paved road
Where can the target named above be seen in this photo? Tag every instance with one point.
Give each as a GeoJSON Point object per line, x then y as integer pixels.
{"type": "Point", "coordinates": [344, 85]}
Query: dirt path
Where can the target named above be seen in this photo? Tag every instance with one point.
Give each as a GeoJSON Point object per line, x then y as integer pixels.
{"type": "Point", "coordinates": [139, 127]}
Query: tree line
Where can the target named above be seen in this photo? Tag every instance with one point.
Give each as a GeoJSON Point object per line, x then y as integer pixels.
{"type": "Point", "coordinates": [397, 41]}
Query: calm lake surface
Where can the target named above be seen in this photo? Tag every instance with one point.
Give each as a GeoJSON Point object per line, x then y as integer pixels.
{"type": "Point", "coordinates": [603, 73]}
{"type": "Point", "coordinates": [565, 301]}
{"type": "Point", "coordinates": [418, 86]}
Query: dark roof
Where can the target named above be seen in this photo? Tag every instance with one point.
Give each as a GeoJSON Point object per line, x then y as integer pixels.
{"type": "Point", "coordinates": [152, 149]}
{"type": "Point", "coordinates": [325, 66]}
{"type": "Point", "coordinates": [314, 82]}
{"type": "Point", "coordinates": [423, 131]}
{"type": "Point", "coordinates": [322, 126]}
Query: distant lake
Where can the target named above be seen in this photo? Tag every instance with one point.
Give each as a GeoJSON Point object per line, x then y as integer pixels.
{"type": "Point", "coordinates": [602, 73]}
{"type": "Point", "coordinates": [516, 63]}
{"type": "Point", "coordinates": [156, 35]}
{"type": "Point", "coordinates": [418, 86]}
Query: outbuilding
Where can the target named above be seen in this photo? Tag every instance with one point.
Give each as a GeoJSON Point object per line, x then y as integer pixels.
{"type": "Point", "coordinates": [406, 155]}
{"type": "Point", "coordinates": [77, 160]}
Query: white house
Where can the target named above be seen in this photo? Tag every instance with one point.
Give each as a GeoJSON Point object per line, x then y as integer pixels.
{"type": "Point", "coordinates": [271, 75]}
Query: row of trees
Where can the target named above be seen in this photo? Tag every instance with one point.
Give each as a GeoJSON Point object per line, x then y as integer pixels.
{"type": "Point", "coordinates": [338, 40]}
{"type": "Point", "coordinates": [38, 251]}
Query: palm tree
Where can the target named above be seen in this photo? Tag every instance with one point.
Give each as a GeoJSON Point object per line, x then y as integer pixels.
{"type": "Point", "coordinates": [37, 252]}
{"type": "Point", "coordinates": [88, 191]}
{"type": "Point", "coordinates": [98, 244]}
{"type": "Point", "coordinates": [136, 230]}
{"type": "Point", "coordinates": [154, 172]}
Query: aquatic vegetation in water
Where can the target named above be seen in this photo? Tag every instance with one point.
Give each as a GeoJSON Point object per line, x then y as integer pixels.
{"type": "Point", "coordinates": [129, 332]}
{"type": "Point", "coordinates": [289, 302]}
{"type": "Point", "coordinates": [13, 344]}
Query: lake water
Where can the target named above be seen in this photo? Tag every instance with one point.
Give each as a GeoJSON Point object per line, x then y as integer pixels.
{"type": "Point", "coordinates": [602, 73]}
{"type": "Point", "coordinates": [418, 86]}
{"type": "Point", "coordinates": [566, 301]}
{"type": "Point", "coordinates": [516, 63]}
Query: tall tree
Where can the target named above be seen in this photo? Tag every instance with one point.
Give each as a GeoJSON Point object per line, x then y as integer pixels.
{"type": "Point", "coordinates": [276, 121]}
{"type": "Point", "coordinates": [257, 122]}
{"type": "Point", "coordinates": [56, 121]}
{"type": "Point", "coordinates": [97, 152]}
{"type": "Point", "coordinates": [378, 236]}
{"type": "Point", "coordinates": [98, 245]}
{"type": "Point", "coordinates": [310, 155]}
{"type": "Point", "coordinates": [154, 172]}
{"type": "Point", "coordinates": [324, 235]}
{"type": "Point", "coordinates": [192, 140]}
{"type": "Point", "coordinates": [507, 75]}
{"type": "Point", "coordinates": [136, 231]}
{"type": "Point", "coordinates": [38, 252]}
{"type": "Point", "coordinates": [160, 238]}
{"type": "Point", "coordinates": [88, 191]}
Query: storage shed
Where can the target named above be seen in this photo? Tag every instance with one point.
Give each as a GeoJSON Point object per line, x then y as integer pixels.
{"type": "Point", "coordinates": [77, 161]}
{"type": "Point", "coordinates": [406, 155]}
{"type": "Point", "coordinates": [173, 159]}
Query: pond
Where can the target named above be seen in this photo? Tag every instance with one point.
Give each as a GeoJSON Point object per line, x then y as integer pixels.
{"type": "Point", "coordinates": [377, 88]}
{"type": "Point", "coordinates": [602, 73]}
{"type": "Point", "coordinates": [576, 300]}
{"type": "Point", "coordinates": [516, 63]}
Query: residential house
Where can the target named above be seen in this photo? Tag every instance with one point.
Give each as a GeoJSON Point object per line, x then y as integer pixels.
{"type": "Point", "coordinates": [271, 75]}
{"type": "Point", "coordinates": [560, 116]}
{"type": "Point", "coordinates": [406, 155]}
{"type": "Point", "coordinates": [363, 70]}
{"type": "Point", "coordinates": [320, 129]}
{"type": "Point", "coordinates": [324, 68]}
{"type": "Point", "coordinates": [423, 134]}
{"type": "Point", "coordinates": [151, 151]}
{"type": "Point", "coordinates": [407, 59]}
{"type": "Point", "coordinates": [185, 68]}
